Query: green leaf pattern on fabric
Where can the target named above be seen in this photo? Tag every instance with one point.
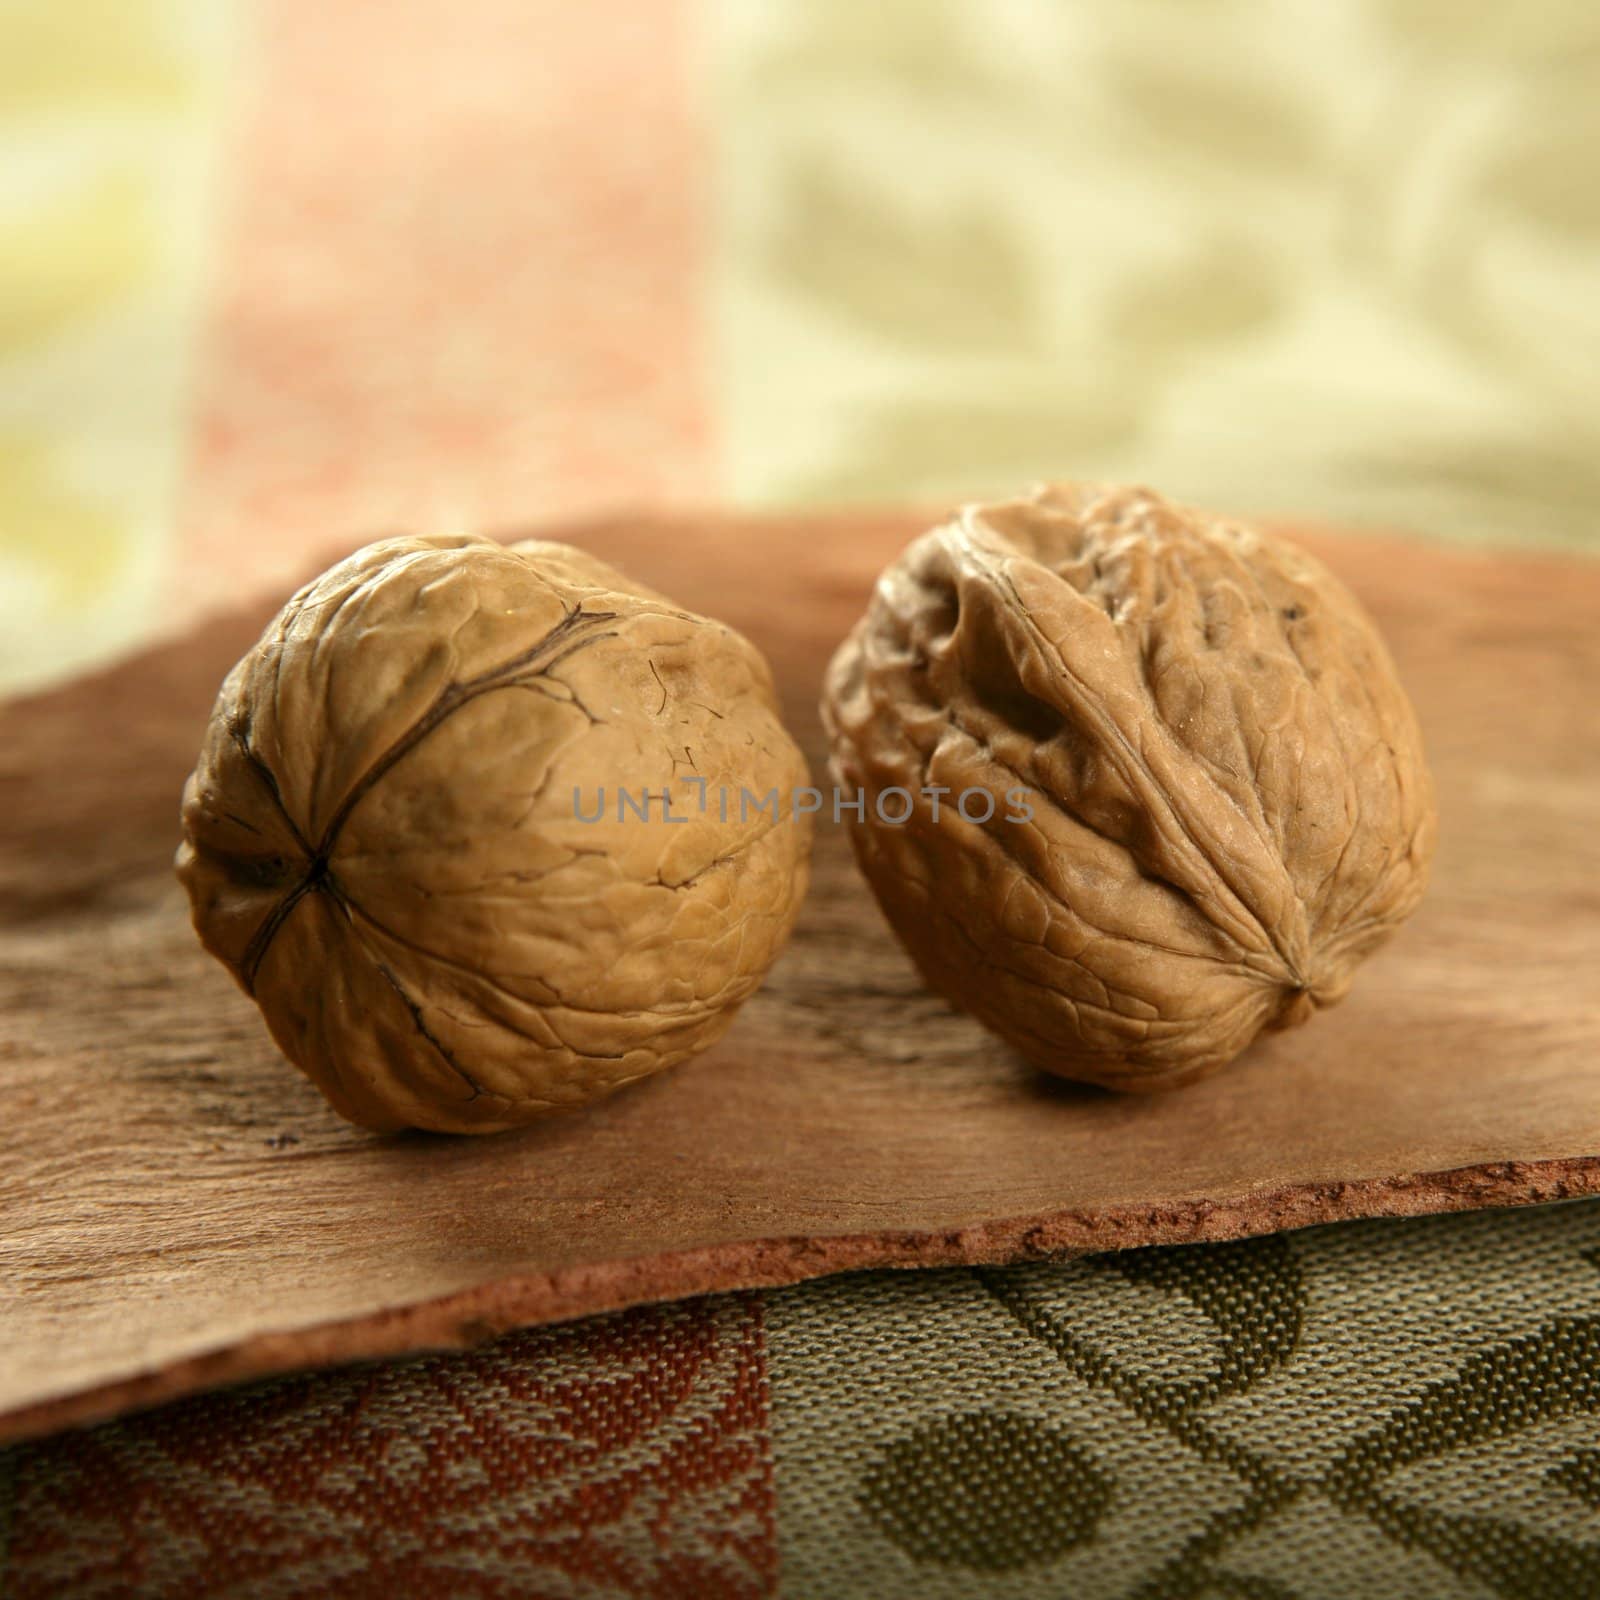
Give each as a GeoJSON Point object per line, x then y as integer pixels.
{"type": "Point", "coordinates": [950, 1492]}
{"type": "Point", "coordinates": [1333, 260]}
{"type": "Point", "coordinates": [1404, 1405]}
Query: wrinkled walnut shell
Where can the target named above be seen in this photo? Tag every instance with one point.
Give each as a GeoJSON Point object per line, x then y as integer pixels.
{"type": "Point", "coordinates": [383, 838]}
{"type": "Point", "coordinates": [1229, 803]}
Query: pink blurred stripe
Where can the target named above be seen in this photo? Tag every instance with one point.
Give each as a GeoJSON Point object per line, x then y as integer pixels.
{"type": "Point", "coordinates": [458, 284]}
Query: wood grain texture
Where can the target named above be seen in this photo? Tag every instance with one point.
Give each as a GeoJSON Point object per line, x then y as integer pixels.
{"type": "Point", "coordinates": [181, 1209]}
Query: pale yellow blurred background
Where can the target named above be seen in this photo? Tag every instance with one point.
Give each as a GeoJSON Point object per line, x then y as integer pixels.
{"type": "Point", "coordinates": [1328, 258]}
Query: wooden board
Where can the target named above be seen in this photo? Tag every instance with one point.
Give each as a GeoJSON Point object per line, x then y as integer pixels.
{"type": "Point", "coordinates": [180, 1209]}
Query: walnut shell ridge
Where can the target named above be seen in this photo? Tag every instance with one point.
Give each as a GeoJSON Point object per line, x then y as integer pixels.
{"type": "Point", "coordinates": [1230, 806]}
{"type": "Point", "coordinates": [384, 836]}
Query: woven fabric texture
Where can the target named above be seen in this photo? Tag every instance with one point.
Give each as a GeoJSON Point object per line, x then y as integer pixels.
{"type": "Point", "coordinates": [625, 1456]}
{"type": "Point", "coordinates": [1401, 1410]}
{"type": "Point", "coordinates": [1406, 1410]}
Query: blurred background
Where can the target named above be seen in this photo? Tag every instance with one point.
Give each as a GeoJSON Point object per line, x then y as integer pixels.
{"type": "Point", "coordinates": [277, 275]}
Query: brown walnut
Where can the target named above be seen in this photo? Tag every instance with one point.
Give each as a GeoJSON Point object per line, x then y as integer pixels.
{"type": "Point", "coordinates": [1229, 803]}
{"type": "Point", "coordinates": [385, 836]}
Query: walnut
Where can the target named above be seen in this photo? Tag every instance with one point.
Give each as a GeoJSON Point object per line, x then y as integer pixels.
{"type": "Point", "coordinates": [1161, 787]}
{"type": "Point", "coordinates": [419, 836]}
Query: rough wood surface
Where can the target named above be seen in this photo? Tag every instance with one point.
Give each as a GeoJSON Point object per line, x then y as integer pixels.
{"type": "Point", "coordinates": [181, 1209]}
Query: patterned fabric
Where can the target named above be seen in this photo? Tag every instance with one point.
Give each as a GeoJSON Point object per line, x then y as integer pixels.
{"type": "Point", "coordinates": [277, 274]}
{"type": "Point", "coordinates": [1379, 1409]}
{"type": "Point", "coordinates": [1405, 1410]}
{"type": "Point", "coordinates": [1333, 259]}
{"type": "Point", "coordinates": [628, 1456]}
{"type": "Point", "coordinates": [1336, 259]}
